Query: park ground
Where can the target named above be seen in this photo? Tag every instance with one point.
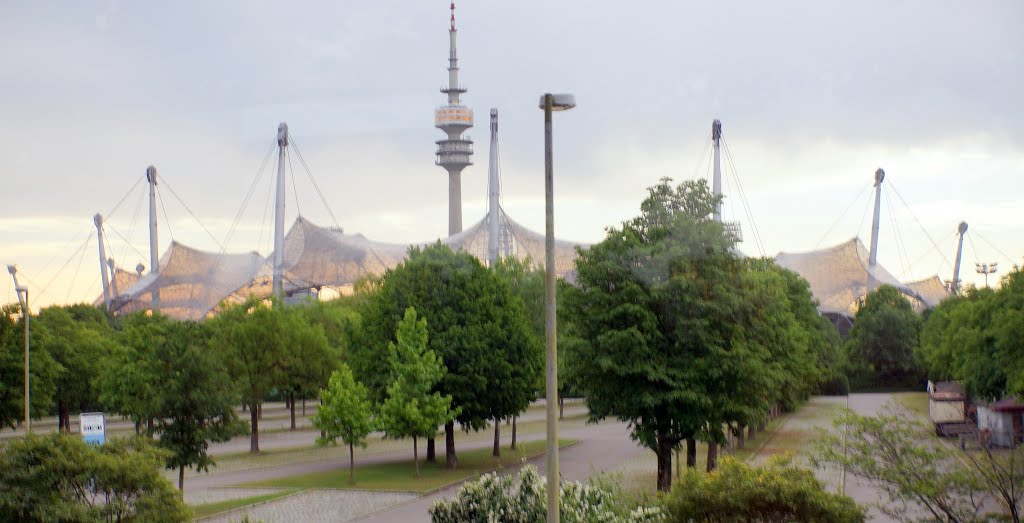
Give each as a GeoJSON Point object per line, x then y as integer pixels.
{"type": "Point", "coordinates": [293, 479]}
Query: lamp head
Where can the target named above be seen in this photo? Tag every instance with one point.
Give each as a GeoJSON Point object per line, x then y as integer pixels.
{"type": "Point", "coordinates": [559, 102]}
{"type": "Point", "coordinates": [12, 269]}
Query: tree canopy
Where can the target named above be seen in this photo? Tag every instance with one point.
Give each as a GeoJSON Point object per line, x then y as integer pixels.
{"type": "Point", "coordinates": [881, 345]}
{"type": "Point", "coordinates": [347, 413]}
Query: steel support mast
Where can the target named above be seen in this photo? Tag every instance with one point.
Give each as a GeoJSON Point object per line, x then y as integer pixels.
{"type": "Point", "coordinates": [493, 193]}
{"type": "Point", "coordinates": [955, 284]}
{"type": "Point", "coordinates": [282, 148]}
{"type": "Point", "coordinates": [716, 182]}
{"type": "Point", "coordinates": [98, 220]}
{"type": "Point", "coordinates": [873, 254]}
{"type": "Point", "coordinates": [154, 249]}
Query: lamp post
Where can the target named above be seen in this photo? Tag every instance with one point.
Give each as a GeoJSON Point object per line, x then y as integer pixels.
{"type": "Point", "coordinates": [551, 102]}
{"type": "Point", "coordinates": [986, 269]}
{"type": "Point", "coordinates": [27, 314]}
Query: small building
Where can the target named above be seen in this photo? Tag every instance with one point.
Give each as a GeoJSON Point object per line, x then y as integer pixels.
{"type": "Point", "coordinates": [947, 407]}
{"type": "Point", "coordinates": [1003, 422]}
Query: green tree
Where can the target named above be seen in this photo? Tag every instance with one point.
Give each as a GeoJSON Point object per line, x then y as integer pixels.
{"type": "Point", "coordinates": [346, 413]}
{"type": "Point", "coordinates": [882, 342]}
{"type": "Point", "coordinates": [255, 341]}
{"type": "Point", "coordinates": [59, 477]}
{"type": "Point", "coordinates": [977, 338]}
{"type": "Point", "coordinates": [411, 410]}
{"type": "Point", "coordinates": [42, 370]}
{"type": "Point", "coordinates": [777, 492]}
{"type": "Point", "coordinates": [195, 399]}
{"type": "Point", "coordinates": [78, 338]}
{"type": "Point", "coordinates": [656, 306]}
{"type": "Point", "coordinates": [476, 327]}
{"type": "Point", "coordinates": [310, 359]}
{"type": "Point", "coordinates": [128, 376]}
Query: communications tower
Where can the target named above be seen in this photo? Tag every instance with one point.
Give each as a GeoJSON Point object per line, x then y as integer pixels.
{"type": "Point", "coordinates": [455, 152]}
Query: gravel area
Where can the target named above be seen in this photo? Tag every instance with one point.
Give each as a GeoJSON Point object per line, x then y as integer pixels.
{"type": "Point", "coordinates": [213, 495]}
{"type": "Point", "coordinates": [319, 505]}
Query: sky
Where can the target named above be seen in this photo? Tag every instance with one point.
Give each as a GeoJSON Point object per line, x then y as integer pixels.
{"type": "Point", "coordinates": [813, 96]}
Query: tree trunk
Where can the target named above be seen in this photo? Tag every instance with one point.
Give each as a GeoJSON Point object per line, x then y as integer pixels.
{"type": "Point", "coordinates": [245, 407]}
{"type": "Point", "coordinates": [760, 427]}
{"type": "Point", "coordinates": [451, 461]}
{"type": "Point", "coordinates": [691, 452]}
{"type": "Point", "coordinates": [323, 433]}
{"type": "Point", "coordinates": [291, 400]}
{"type": "Point", "coordinates": [351, 464]}
{"type": "Point", "coordinates": [712, 456]}
{"type": "Point", "coordinates": [513, 432]}
{"type": "Point", "coordinates": [303, 407]}
{"type": "Point", "coordinates": [664, 464]}
{"type": "Point", "coordinates": [138, 427]}
{"type": "Point", "coordinates": [415, 456]}
{"type": "Point", "coordinates": [430, 451]}
{"type": "Point", "coordinates": [739, 438]}
{"type": "Point", "coordinates": [497, 438]}
{"type": "Point", "coordinates": [561, 407]}
{"type": "Point", "coordinates": [149, 428]}
{"type": "Point", "coordinates": [61, 411]}
{"type": "Point", "coordinates": [254, 438]}
{"type": "Point", "coordinates": [259, 408]}
{"type": "Point", "coordinates": [751, 432]}
{"type": "Point", "coordinates": [181, 480]}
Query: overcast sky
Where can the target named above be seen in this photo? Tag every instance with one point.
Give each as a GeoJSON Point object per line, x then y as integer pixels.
{"type": "Point", "coordinates": [813, 96]}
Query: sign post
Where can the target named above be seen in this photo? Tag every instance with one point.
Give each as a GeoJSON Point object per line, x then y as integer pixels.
{"type": "Point", "coordinates": [93, 427]}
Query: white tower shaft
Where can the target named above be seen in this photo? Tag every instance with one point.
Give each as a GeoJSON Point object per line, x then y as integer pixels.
{"type": "Point", "coordinates": [961, 229]}
{"type": "Point", "coordinates": [873, 254]}
{"type": "Point", "coordinates": [493, 195]}
{"type": "Point", "coordinates": [282, 147]}
{"type": "Point", "coordinates": [114, 293]}
{"type": "Point", "coordinates": [716, 184]}
{"type": "Point", "coordinates": [154, 249]}
{"type": "Point", "coordinates": [98, 220]}
{"type": "Point", "coordinates": [454, 153]}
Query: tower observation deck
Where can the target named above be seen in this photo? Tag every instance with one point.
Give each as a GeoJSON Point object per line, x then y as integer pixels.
{"type": "Point", "coordinates": [455, 152]}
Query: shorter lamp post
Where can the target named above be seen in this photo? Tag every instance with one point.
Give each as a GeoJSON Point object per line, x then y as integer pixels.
{"type": "Point", "coordinates": [986, 269]}
{"type": "Point", "coordinates": [551, 102]}
{"type": "Point", "coordinates": [27, 314]}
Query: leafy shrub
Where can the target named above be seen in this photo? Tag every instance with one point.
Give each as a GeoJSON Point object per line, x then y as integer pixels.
{"type": "Point", "coordinates": [509, 499]}
{"type": "Point", "coordinates": [778, 492]}
{"type": "Point", "coordinates": [836, 385]}
{"type": "Point", "coordinates": [61, 478]}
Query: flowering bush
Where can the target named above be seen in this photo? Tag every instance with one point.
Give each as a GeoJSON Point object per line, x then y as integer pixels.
{"type": "Point", "coordinates": [509, 499]}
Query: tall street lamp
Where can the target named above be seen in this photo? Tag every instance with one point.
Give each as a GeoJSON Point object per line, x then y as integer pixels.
{"type": "Point", "coordinates": [27, 314]}
{"type": "Point", "coordinates": [986, 269]}
{"type": "Point", "coordinates": [551, 102]}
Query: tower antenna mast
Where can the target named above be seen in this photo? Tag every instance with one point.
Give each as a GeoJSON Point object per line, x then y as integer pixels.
{"type": "Point", "coordinates": [455, 152]}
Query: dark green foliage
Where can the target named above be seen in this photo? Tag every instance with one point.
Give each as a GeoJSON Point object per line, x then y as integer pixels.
{"type": "Point", "coordinates": [258, 342]}
{"type": "Point", "coordinates": [475, 324]}
{"type": "Point", "coordinates": [669, 331]}
{"type": "Point", "coordinates": [53, 478]}
{"type": "Point", "coordinates": [978, 339]}
{"type": "Point", "coordinates": [78, 338]}
{"type": "Point", "coordinates": [881, 345]}
{"type": "Point", "coordinates": [42, 371]}
{"type": "Point", "coordinates": [777, 492]}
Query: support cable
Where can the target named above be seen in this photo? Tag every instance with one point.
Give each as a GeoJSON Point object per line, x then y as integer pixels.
{"type": "Point", "coordinates": [901, 246]}
{"type": "Point", "coordinates": [743, 196]}
{"type": "Point", "coordinates": [194, 217]}
{"type": "Point", "coordinates": [295, 190]}
{"type": "Point", "coordinates": [990, 244]}
{"type": "Point", "coordinates": [700, 159]}
{"type": "Point", "coordinates": [848, 207]}
{"type": "Point", "coordinates": [81, 247]}
{"type": "Point", "coordinates": [914, 216]}
{"type": "Point", "coordinates": [248, 195]}
{"type": "Point", "coordinates": [264, 223]}
{"type": "Point", "coordinates": [167, 220]}
{"type": "Point", "coordinates": [108, 226]}
{"type": "Point", "coordinates": [131, 226]}
{"type": "Point", "coordinates": [74, 278]}
{"type": "Point", "coordinates": [316, 186]}
{"type": "Point", "coordinates": [924, 255]}
{"type": "Point", "coordinates": [123, 198]}
{"type": "Point", "coordinates": [867, 210]}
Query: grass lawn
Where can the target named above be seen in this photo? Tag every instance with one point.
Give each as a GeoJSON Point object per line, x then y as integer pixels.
{"type": "Point", "coordinates": [400, 475]}
{"type": "Point", "coordinates": [209, 509]}
{"type": "Point", "coordinates": [915, 402]}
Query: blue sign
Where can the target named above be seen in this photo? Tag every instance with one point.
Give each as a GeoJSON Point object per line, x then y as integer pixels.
{"type": "Point", "coordinates": [93, 427]}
